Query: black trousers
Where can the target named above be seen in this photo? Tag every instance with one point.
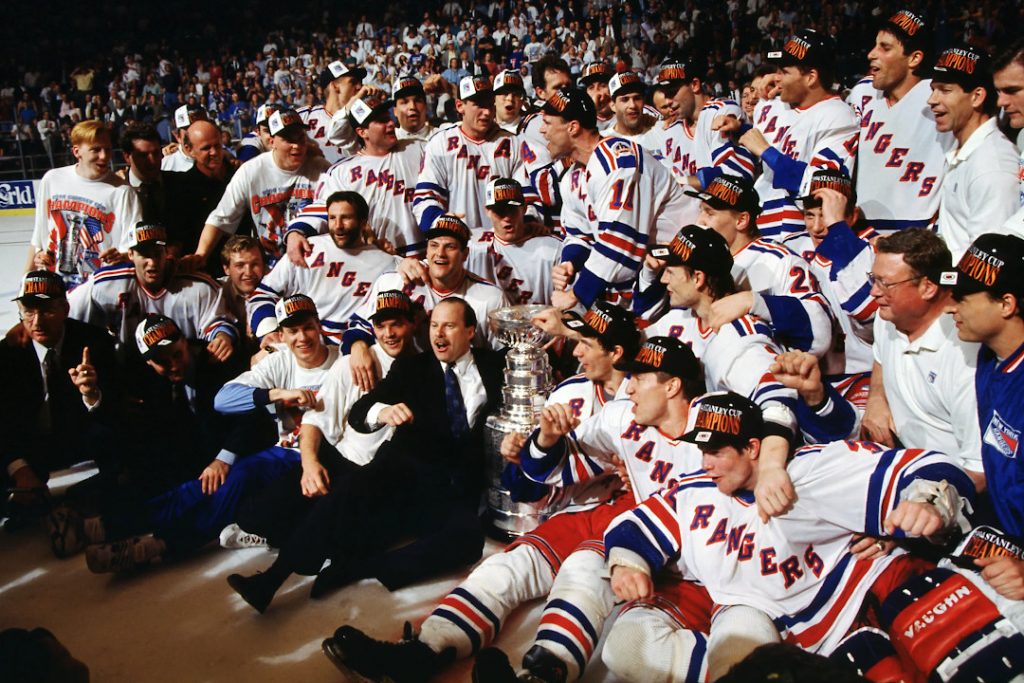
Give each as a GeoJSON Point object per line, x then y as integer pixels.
{"type": "Point", "coordinates": [369, 510]}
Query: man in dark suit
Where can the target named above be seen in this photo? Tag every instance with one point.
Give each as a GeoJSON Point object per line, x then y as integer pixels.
{"type": "Point", "coordinates": [183, 438]}
{"type": "Point", "coordinates": [61, 406]}
{"type": "Point", "coordinates": [423, 484]}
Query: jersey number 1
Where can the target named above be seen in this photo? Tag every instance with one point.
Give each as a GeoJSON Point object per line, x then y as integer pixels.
{"type": "Point", "coordinates": [618, 201]}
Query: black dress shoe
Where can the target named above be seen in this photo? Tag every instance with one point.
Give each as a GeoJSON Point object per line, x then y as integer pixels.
{"type": "Point", "coordinates": [365, 659]}
{"type": "Point", "coordinates": [257, 590]}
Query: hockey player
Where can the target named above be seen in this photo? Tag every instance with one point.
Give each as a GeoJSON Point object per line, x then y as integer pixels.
{"type": "Point", "coordinates": [822, 134]}
{"type": "Point", "coordinates": [798, 569]}
{"type": "Point", "coordinates": [121, 295]}
{"type": "Point", "coordinates": [562, 450]}
{"type": "Point", "coordinates": [634, 200]}
{"type": "Point", "coordinates": [411, 110]}
{"type": "Point", "coordinates": [548, 75]}
{"type": "Point", "coordinates": [689, 143]}
{"type": "Point", "coordinates": [981, 189]}
{"type": "Point", "coordinates": [273, 188]}
{"type": "Point", "coordinates": [460, 159]}
{"type": "Point", "coordinates": [384, 171]}
{"type": "Point", "coordinates": [83, 212]}
{"type": "Point", "coordinates": [505, 254]}
{"type": "Point", "coordinates": [777, 285]}
{"type": "Point", "coordinates": [594, 79]}
{"type": "Point", "coordinates": [447, 251]}
{"type": "Point", "coordinates": [341, 85]}
{"type": "Point", "coordinates": [342, 267]}
{"type": "Point", "coordinates": [901, 159]}
{"type": "Point", "coordinates": [258, 141]}
{"type": "Point", "coordinates": [509, 96]}
{"type": "Point", "coordinates": [632, 122]}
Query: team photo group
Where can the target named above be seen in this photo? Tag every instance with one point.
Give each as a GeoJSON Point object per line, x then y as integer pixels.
{"type": "Point", "coordinates": [720, 329]}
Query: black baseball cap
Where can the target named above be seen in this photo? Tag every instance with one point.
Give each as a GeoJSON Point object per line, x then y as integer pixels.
{"type": "Point", "coordinates": [450, 226]}
{"type": "Point", "coordinates": [361, 112]}
{"type": "Point", "coordinates": [611, 324]}
{"type": "Point", "coordinates": [675, 72]}
{"type": "Point", "coordinates": [910, 29]}
{"type": "Point", "coordinates": [405, 86]}
{"type": "Point", "coordinates": [826, 178]}
{"type": "Point", "coordinates": [293, 309]}
{"type": "Point", "coordinates": [626, 82]}
{"type": "Point", "coordinates": [729, 192]}
{"type": "Point", "coordinates": [337, 69]}
{"type": "Point", "coordinates": [503, 192]}
{"type": "Point", "coordinates": [725, 419]}
{"type": "Point", "coordinates": [808, 49]}
{"type": "Point", "coordinates": [994, 263]}
{"type": "Point", "coordinates": [147, 233]}
{"type": "Point", "coordinates": [156, 332]}
{"type": "Point", "coordinates": [700, 248]}
{"type": "Point", "coordinates": [598, 71]}
{"type": "Point", "coordinates": [572, 104]}
{"type": "Point", "coordinates": [663, 354]}
{"type": "Point", "coordinates": [40, 286]}
{"type": "Point", "coordinates": [964, 65]}
{"type": "Point", "coordinates": [392, 303]}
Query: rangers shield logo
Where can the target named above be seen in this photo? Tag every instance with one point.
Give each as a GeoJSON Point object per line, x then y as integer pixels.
{"type": "Point", "coordinates": [1002, 436]}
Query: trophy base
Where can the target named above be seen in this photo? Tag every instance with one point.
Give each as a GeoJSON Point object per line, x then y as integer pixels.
{"type": "Point", "coordinates": [506, 518]}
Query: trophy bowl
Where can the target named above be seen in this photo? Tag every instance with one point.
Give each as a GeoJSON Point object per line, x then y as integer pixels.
{"type": "Point", "coordinates": [512, 326]}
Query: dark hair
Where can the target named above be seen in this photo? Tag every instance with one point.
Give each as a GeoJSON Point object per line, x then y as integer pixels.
{"type": "Point", "coordinates": [353, 198]}
{"type": "Point", "coordinates": [545, 64]}
{"type": "Point", "coordinates": [923, 250]}
{"type": "Point", "coordinates": [692, 386]}
{"type": "Point", "coordinates": [629, 346]}
{"type": "Point", "coordinates": [468, 314]}
{"type": "Point", "coordinates": [237, 243]}
{"type": "Point", "coordinates": [826, 75]}
{"type": "Point", "coordinates": [719, 286]}
{"type": "Point", "coordinates": [766, 69]}
{"type": "Point", "coordinates": [138, 131]}
{"type": "Point", "coordinates": [1014, 52]}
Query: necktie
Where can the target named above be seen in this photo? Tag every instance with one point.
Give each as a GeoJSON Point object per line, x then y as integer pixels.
{"type": "Point", "coordinates": [456, 407]}
{"type": "Point", "coordinates": [49, 387]}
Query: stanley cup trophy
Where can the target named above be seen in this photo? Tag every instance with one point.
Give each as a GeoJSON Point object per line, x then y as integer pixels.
{"type": "Point", "coordinates": [527, 384]}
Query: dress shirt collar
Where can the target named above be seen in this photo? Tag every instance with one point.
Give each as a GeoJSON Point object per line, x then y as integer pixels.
{"type": "Point", "coordinates": [977, 139]}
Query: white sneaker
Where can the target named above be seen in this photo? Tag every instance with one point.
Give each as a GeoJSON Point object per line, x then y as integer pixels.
{"type": "Point", "coordinates": [233, 536]}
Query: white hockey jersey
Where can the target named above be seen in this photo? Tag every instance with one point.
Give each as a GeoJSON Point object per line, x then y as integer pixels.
{"type": "Point", "coordinates": [387, 183]}
{"type": "Point", "coordinates": [901, 160]}
{"type": "Point", "coordinates": [698, 150]}
{"type": "Point", "coordinates": [796, 568]}
{"type": "Point", "coordinates": [318, 122]}
{"type": "Point", "coordinates": [115, 300]}
{"type": "Point", "coordinates": [76, 219]}
{"type": "Point", "coordinates": [522, 271]}
{"type": "Point", "coordinates": [336, 280]}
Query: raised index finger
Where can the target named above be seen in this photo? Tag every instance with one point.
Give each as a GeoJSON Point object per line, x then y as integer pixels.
{"type": "Point", "coordinates": [85, 356]}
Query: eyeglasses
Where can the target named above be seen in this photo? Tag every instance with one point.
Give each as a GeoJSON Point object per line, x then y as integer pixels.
{"type": "Point", "coordinates": [34, 313]}
{"type": "Point", "coordinates": [886, 287]}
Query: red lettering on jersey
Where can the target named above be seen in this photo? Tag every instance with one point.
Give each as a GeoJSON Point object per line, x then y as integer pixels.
{"type": "Point", "coordinates": [504, 149]}
{"type": "Point", "coordinates": [361, 289]}
{"type": "Point", "coordinates": [872, 130]}
{"type": "Point", "coordinates": [348, 278]}
{"type": "Point", "coordinates": [912, 173]}
{"type": "Point", "coordinates": [746, 548]}
{"type": "Point", "coordinates": [770, 126]}
{"type": "Point", "coordinates": [320, 133]}
{"type": "Point", "coordinates": [463, 153]}
{"type": "Point", "coordinates": [660, 471]}
{"type": "Point", "coordinates": [735, 537]}
{"type": "Point", "coordinates": [927, 185]}
{"type": "Point", "coordinates": [528, 154]}
{"type": "Point", "coordinates": [334, 270]}
{"type": "Point", "coordinates": [356, 173]}
{"type": "Point", "coordinates": [409, 194]}
{"type": "Point", "coordinates": [483, 173]}
{"type": "Point", "coordinates": [487, 236]}
{"type": "Point", "coordinates": [789, 147]}
{"type": "Point", "coordinates": [453, 143]}
{"type": "Point", "coordinates": [813, 561]}
{"type": "Point", "coordinates": [896, 157]}
{"type": "Point", "coordinates": [866, 119]}
{"type": "Point", "coordinates": [472, 161]}
{"type": "Point", "coordinates": [643, 454]}
{"type": "Point", "coordinates": [318, 261]}
{"type": "Point", "coordinates": [633, 431]}
{"type": "Point", "coordinates": [399, 188]}
{"type": "Point", "coordinates": [718, 535]}
{"type": "Point", "coordinates": [576, 406]}
{"type": "Point", "coordinates": [371, 178]}
{"type": "Point", "coordinates": [883, 143]}
{"type": "Point", "coordinates": [701, 515]}
{"type": "Point", "coordinates": [781, 134]}
{"type": "Point", "coordinates": [791, 570]}
{"type": "Point", "coordinates": [768, 566]}
{"type": "Point", "coordinates": [618, 201]}
{"type": "Point", "coordinates": [851, 145]}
